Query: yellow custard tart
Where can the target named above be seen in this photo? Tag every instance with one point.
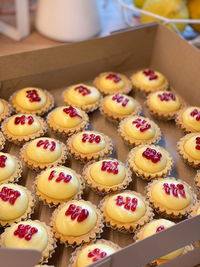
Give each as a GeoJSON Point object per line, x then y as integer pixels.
{"type": "Point", "coordinates": [76, 222]}
{"type": "Point", "coordinates": [126, 211]}
{"type": "Point", "coordinates": [107, 175]}
{"type": "Point", "coordinates": [147, 81]}
{"type": "Point", "coordinates": [5, 109]}
{"type": "Point", "coordinates": [16, 203]}
{"type": "Point", "coordinates": [10, 168]}
{"type": "Point", "coordinates": [30, 235]}
{"type": "Point", "coordinates": [164, 104]}
{"type": "Point", "coordinates": [118, 106]}
{"type": "Point", "coordinates": [156, 226]}
{"type": "Point", "coordinates": [21, 128]}
{"type": "Point", "coordinates": [189, 149]}
{"type": "Point", "coordinates": [43, 152]}
{"type": "Point", "coordinates": [188, 119]}
{"type": "Point", "coordinates": [82, 96]}
{"type": "Point", "coordinates": [149, 161]}
{"type": "Point", "coordinates": [94, 251]}
{"type": "Point", "coordinates": [171, 198]}
{"type": "Point", "coordinates": [32, 100]}
{"type": "Point", "coordinates": [58, 184]}
{"type": "Point", "coordinates": [89, 145]}
{"type": "Point", "coordinates": [110, 83]}
{"type": "Point", "coordinates": [139, 130]}
{"type": "Point", "coordinates": [67, 120]}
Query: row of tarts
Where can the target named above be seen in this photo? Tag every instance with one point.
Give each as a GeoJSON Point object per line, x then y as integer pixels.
{"type": "Point", "coordinates": [76, 221]}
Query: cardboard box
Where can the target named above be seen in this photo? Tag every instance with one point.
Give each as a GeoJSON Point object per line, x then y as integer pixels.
{"type": "Point", "coordinates": [151, 46]}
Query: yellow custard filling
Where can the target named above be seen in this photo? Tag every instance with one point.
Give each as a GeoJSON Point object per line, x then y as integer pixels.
{"type": "Point", "coordinates": [190, 147]}
{"type": "Point", "coordinates": [38, 240]}
{"type": "Point", "coordinates": [144, 79]}
{"type": "Point", "coordinates": [58, 183]}
{"type": "Point", "coordinates": [109, 83]}
{"type": "Point", "coordinates": [174, 199]}
{"type": "Point", "coordinates": [72, 227]}
{"type": "Point", "coordinates": [190, 120]}
{"type": "Point", "coordinates": [8, 166]}
{"type": "Point", "coordinates": [122, 214]}
{"type": "Point", "coordinates": [1, 107]}
{"type": "Point", "coordinates": [120, 104]}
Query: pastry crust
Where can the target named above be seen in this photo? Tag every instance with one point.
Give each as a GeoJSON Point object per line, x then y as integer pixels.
{"type": "Point", "coordinates": [7, 110]}
{"type": "Point", "coordinates": [181, 124]}
{"type": "Point", "coordinates": [194, 209]}
{"type": "Point", "coordinates": [197, 179]}
{"type": "Point", "coordinates": [2, 141]}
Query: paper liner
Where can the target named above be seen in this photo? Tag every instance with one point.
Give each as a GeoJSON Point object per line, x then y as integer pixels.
{"type": "Point", "coordinates": [52, 202]}
{"type": "Point", "coordinates": [36, 166]}
{"type": "Point", "coordinates": [20, 140]}
{"type": "Point", "coordinates": [147, 175]}
{"type": "Point", "coordinates": [49, 104]}
{"type": "Point", "coordinates": [164, 211]}
{"type": "Point", "coordinates": [125, 90]}
{"type": "Point", "coordinates": [186, 157]}
{"type": "Point", "coordinates": [135, 142]}
{"type": "Point", "coordinates": [88, 157]}
{"type": "Point", "coordinates": [28, 212]}
{"type": "Point", "coordinates": [103, 189]}
{"type": "Point", "coordinates": [147, 89]}
{"type": "Point", "coordinates": [2, 141]}
{"type": "Point", "coordinates": [48, 251]}
{"type": "Point", "coordinates": [126, 227]}
{"type": "Point", "coordinates": [163, 115]}
{"type": "Point", "coordinates": [7, 110]}
{"type": "Point", "coordinates": [76, 253]}
{"type": "Point", "coordinates": [116, 116]}
{"type": "Point", "coordinates": [79, 240]}
{"type": "Point", "coordinates": [67, 131]}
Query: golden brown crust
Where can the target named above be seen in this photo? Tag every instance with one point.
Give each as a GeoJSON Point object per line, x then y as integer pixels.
{"type": "Point", "coordinates": [181, 124]}
{"type": "Point", "coordinates": [2, 141]}
{"type": "Point", "coordinates": [197, 179]}
{"type": "Point", "coordinates": [194, 209]}
{"type": "Point", "coordinates": [7, 110]}
{"type": "Point", "coordinates": [125, 90]}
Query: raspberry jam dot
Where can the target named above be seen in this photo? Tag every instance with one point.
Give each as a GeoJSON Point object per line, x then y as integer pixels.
{"type": "Point", "coordinates": [160, 228]}
{"type": "Point", "coordinates": [33, 96]}
{"type": "Point", "coordinates": [9, 194]}
{"type": "Point", "coordinates": [91, 138]}
{"type": "Point", "coordinates": [127, 202]}
{"type": "Point", "coordinates": [197, 143]}
{"type": "Point", "coordinates": [150, 74]}
{"type": "Point", "coordinates": [76, 212]}
{"type": "Point", "coordinates": [60, 177]}
{"type": "Point", "coordinates": [167, 96]}
{"type": "Point", "coordinates": [142, 124]}
{"type": "Point", "coordinates": [152, 154]}
{"type": "Point", "coordinates": [72, 112]}
{"type": "Point", "coordinates": [3, 159]}
{"type": "Point", "coordinates": [83, 90]}
{"type": "Point", "coordinates": [25, 231]}
{"type": "Point", "coordinates": [23, 119]}
{"type": "Point", "coordinates": [97, 254]}
{"type": "Point", "coordinates": [195, 113]}
{"type": "Point", "coordinates": [110, 166]}
{"type": "Point", "coordinates": [46, 144]}
{"type": "Point", "coordinates": [175, 190]}
{"type": "Point", "coordinates": [113, 77]}
{"type": "Point", "coordinates": [120, 99]}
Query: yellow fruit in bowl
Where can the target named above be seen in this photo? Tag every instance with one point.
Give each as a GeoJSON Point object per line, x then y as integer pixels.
{"type": "Point", "coordinates": [139, 3]}
{"type": "Point", "coordinates": [194, 10]}
{"type": "Point", "coordinates": [173, 9]}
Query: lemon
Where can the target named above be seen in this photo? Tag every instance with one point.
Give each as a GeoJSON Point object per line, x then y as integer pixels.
{"type": "Point", "coordinates": [194, 10]}
{"type": "Point", "coordinates": [139, 3]}
{"type": "Point", "coordinates": [173, 9]}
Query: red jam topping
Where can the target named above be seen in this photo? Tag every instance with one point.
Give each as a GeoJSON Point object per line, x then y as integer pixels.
{"type": "Point", "coordinates": [197, 143]}
{"type": "Point", "coordinates": [72, 112]}
{"type": "Point", "coordinates": [9, 194]}
{"type": "Point", "coordinates": [97, 254]}
{"type": "Point", "coordinates": [128, 202]}
{"type": "Point", "coordinates": [110, 166]}
{"type": "Point", "coordinates": [91, 138]}
{"type": "Point", "coordinates": [25, 231]}
{"type": "Point", "coordinates": [175, 189]}
{"type": "Point", "coordinates": [22, 120]}
{"type": "Point", "coordinates": [3, 159]}
{"type": "Point", "coordinates": [150, 74]}
{"type": "Point", "coordinates": [120, 99]}
{"type": "Point", "coordinates": [77, 212]}
{"type": "Point", "coordinates": [160, 228]}
{"type": "Point", "coordinates": [113, 77]}
{"type": "Point", "coordinates": [167, 96]}
{"type": "Point", "coordinates": [152, 155]}
{"type": "Point", "coordinates": [195, 113]}
{"type": "Point", "coordinates": [47, 144]}
{"type": "Point", "coordinates": [60, 177]}
{"type": "Point", "coordinates": [33, 95]}
{"type": "Point", "coordinates": [83, 90]}
{"type": "Point", "coordinates": [142, 124]}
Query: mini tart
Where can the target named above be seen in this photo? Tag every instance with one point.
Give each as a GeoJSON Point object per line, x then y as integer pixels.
{"type": "Point", "coordinates": [147, 81]}
{"type": "Point", "coordinates": [126, 211]}
{"type": "Point", "coordinates": [67, 120]}
{"type": "Point", "coordinates": [77, 222]}
{"type": "Point", "coordinates": [58, 184]}
{"type": "Point", "coordinates": [164, 104]}
{"type": "Point", "coordinates": [89, 145]}
{"type": "Point", "coordinates": [44, 152]}
{"type": "Point", "coordinates": [5, 109]}
{"type": "Point", "coordinates": [22, 128]}
{"type": "Point", "coordinates": [10, 168]}
{"type": "Point", "coordinates": [138, 130]}
{"type": "Point", "coordinates": [16, 203]}
{"type": "Point", "coordinates": [150, 161]}
{"type": "Point", "coordinates": [94, 251]}
{"type": "Point", "coordinates": [32, 100]}
{"type": "Point", "coordinates": [188, 119]}
{"type": "Point", "coordinates": [189, 149]}
{"type": "Point", "coordinates": [2, 141]}
{"type": "Point", "coordinates": [171, 198]}
{"type": "Point", "coordinates": [82, 96]}
{"type": "Point", "coordinates": [119, 106]}
{"type": "Point", "coordinates": [154, 227]}
{"type": "Point", "coordinates": [107, 175]}
{"type": "Point", "coordinates": [30, 235]}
